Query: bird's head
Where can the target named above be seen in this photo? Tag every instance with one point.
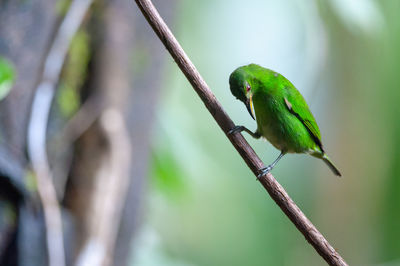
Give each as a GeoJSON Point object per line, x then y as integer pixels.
{"type": "Point", "coordinates": [239, 82]}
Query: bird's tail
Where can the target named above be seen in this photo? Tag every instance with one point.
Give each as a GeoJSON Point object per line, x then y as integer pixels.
{"type": "Point", "coordinates": [331, 165]}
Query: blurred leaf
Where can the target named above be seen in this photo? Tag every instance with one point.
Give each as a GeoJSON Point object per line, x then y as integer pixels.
{"type": "Point", "coordinates": [167, 174]}
{"type": "Point", "coordinates": [62, 6]}
{"type": "Point", "coordinates": [74, 74]}
{"type": "Point", "coordinates": [7, 77]}
{"type": "Point", "coordinates": [68, 100]}
{"type": "Point", "coordinates": [30, 181]}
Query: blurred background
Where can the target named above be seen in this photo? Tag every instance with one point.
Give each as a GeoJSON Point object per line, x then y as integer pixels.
{"type": "Point", "coordinates": [92, 101]}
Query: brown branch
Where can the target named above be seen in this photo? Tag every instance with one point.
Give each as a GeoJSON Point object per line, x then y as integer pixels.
{"type": "Point", "coordinates": [275, 190]}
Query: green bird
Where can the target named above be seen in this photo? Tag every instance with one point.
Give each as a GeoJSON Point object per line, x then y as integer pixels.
{"type": "Point", "coordinates": [281, 112]}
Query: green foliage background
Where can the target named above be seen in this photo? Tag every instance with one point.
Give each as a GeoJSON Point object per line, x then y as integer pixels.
{"type": "Point", "coordinates": [205, 207]}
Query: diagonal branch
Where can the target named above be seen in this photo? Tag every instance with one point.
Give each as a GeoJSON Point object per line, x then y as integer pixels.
{"type": "Point", "coordinates": [275, 190]}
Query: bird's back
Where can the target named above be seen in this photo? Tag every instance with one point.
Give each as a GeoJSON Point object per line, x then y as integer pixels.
{"type": "Point", "coordinates": [283, 116]}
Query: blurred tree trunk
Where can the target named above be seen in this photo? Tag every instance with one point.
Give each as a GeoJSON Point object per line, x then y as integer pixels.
{"type": "Point", "coordinates": [106, 184]}
{"type": "Point", "coordinates": [126, 72]}
{"type": "Point", "coordinates": [26, 30]}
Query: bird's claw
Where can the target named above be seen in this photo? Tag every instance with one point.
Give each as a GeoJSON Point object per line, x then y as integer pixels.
{"type": "Point", "coordinates": [235, 129]}
{"type": "Point", "coordinates": [264, 171]}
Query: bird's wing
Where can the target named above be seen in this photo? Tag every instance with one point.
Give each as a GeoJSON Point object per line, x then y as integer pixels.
{"type": "Point", "coordinates": [298, 107]}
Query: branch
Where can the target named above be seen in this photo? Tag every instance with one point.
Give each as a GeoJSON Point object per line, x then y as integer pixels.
{"type": "Point", "coordinates": [38, 124]}
{"type": "Point", "coordinates": [275, 190]}
{"type": "Point", "coordinates": [63, 140]}
{"type": "Point", "coordinates": [110, 190]}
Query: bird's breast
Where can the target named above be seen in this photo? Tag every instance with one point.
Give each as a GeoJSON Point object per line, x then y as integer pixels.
{"type": "Point", "coordinates": [280, 127]}
{"type": "Point", "coordinates": [269, 122]}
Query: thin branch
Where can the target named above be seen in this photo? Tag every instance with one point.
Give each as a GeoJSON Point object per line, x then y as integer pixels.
{"type": "Point", "coordinates": [82, 120]}
{"type": "Point", "coordinates": [275, 190]}
{"type": "Point", "coordinates": [38, 125]}
{"type": "Point", "coordinates": [63, 140]}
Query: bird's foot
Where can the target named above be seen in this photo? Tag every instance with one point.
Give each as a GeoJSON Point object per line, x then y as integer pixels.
{"type": "Point", "coordinates": [235, 129]}
{"type": "Point", "coordinates": [264, 171]}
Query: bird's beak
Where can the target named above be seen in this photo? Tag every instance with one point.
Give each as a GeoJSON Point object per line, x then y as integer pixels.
{"type": "Point", "coordinates": [249, 106]}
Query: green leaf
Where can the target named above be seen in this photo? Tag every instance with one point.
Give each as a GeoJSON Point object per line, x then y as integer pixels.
{"type": "Point", "coordinates": [7, 77]}
{"type": "Point", "coordinates": [74, 74]}
{"type": "Point", "coordinates": [167, 174]}
{"type": "Point", "coordinates": [68, 100]}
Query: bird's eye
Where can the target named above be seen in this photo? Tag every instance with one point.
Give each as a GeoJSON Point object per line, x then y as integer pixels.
{"type": "Point", "coordinates": [248, 88]}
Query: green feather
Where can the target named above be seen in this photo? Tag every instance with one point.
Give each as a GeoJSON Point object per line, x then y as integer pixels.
{"type": "Point", "coordinates": [305, 116]}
